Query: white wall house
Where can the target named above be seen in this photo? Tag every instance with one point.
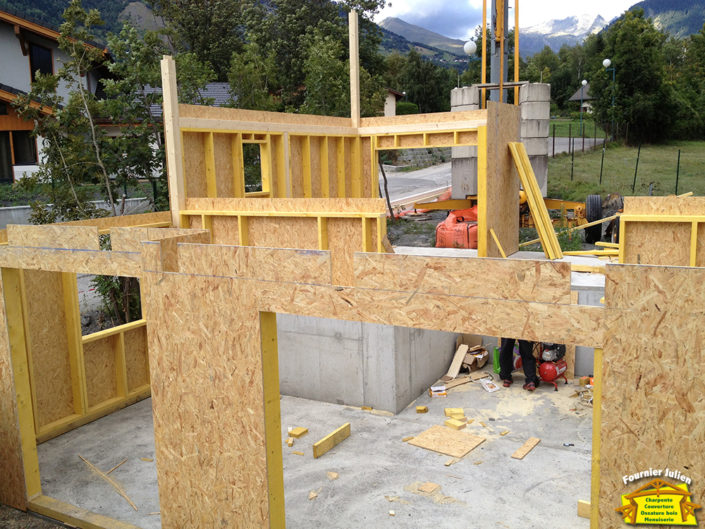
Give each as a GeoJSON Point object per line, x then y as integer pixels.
{"type": "Point", "coordinates": [25, 48]}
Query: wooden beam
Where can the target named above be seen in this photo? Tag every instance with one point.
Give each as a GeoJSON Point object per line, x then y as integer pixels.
{"type": "Point", "coordinates": [331, 440]}
{"type": "Point", "coordinates": [353, 37]}
{"type": "Point", "coordinates": [272, 414]}
{"type": "Point", "coordinates": [74, 516]}
{"type": "Point", "coordinates": [172, 137]}
{"type": "Point", "coordinates": [596, 440]}
{"type": "Point", "coordinates": [75, 345]}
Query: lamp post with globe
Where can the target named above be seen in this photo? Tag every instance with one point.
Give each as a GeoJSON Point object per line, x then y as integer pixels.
{"type": "Point", "coordinates": [582, 94]}
{"type": "Point", "coordinates": [606, 63]}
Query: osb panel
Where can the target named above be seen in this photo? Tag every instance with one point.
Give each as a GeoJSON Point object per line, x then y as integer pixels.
{"type": "Point", "coordinates": [295, 166]}
{"type": "Point", "coordinates": [195, 222]}
{"type": "Point", "coordinates": [654, 282]}
{"type": "Point", "coordinates": [194, 165]}
{"type": "Point", "coordinates": [136, 358]}
{"type": "Point", "coordinates": [283, 232]}
{"type": "Point", "coordinates": [316, 166]}
{"type": "Point", "coordinates": [542, 281]}
{"type": "Point", "coordinates": [48, 346]}
{"type": "Point", "coordinates": [502, 181]}
{"type": "Point", "coordinates": [54, 236]}
{"type": "Point", "coordinates": [333, 167]}
{"type": "Point", "coordinates": [302, 266]}
{"type": "Point", "coordinates": [79, 261]}
{"type": "Point", "coordinates": [224, 180]}
{"type": "Point", "coordinates": [344, 239]}
{"type": "Point", "coordinates": [139, 219]}
{"type": "Point", "coordinates": [670, 205]}
{"type": "Point", "coordinates": [348, 156]}
{"type": "Point", "coordinates": [260, 117]}
{"type": "Point", "coordinates": [130, 239]}
{"type": "Point", "coordinates": [657, 243]}
{"type": "Point", "coordinates": [211, 459]}
{"type": "Point", "coordinates": [224, 230]}
{"type": "Point", "coordinates": [296, 205]}
{"type": "Point", "coordinates": [99, 358]}
{"type": "Point", "coordinates": [700, 252]}
{"type": "Point", "coordinates": [12, 484]}
{"type": "Point", "coordinates": [366, 153]}
{"type": "Point", "coordinates": [438, 118]}
{"type": "Point", "coordinates": [653, 395]}
{"type": "Point", "coordinates": [211, 462]}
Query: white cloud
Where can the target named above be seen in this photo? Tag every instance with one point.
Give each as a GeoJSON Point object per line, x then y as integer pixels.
{"type": "Point", "coordinates": [458, 18]}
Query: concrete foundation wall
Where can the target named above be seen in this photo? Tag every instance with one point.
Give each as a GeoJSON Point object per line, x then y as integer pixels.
{"type": "Point", "coordinates": [359, 364]}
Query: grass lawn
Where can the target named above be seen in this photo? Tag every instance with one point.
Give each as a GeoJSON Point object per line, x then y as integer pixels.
{"type": "Point", "coordinates": [657, 166]}
{"type": "Point", "coordinates": [565, 125]}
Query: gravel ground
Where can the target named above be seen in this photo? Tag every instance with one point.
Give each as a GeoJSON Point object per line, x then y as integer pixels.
{"type": "Point", "coordinates": [13, 519]}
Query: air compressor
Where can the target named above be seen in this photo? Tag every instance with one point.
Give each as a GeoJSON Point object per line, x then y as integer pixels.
{"type": "Point", "coordinates": [552, 364]}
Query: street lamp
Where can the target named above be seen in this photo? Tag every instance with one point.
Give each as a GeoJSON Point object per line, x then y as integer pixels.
{"type": "Point", "coordinates": [606, 63]}
{"type": "Point", "coordinates": [469, 48]}
{"type": "Point", "coordinates": [582, 93]}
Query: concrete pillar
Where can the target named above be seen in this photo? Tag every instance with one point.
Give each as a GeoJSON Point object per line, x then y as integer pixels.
{"type": "Point", "coordinates": [464, 159]}
{"type": "Point", "coordinates": [535, 105]}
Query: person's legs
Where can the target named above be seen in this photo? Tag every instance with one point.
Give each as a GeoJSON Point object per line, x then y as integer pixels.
{"type": "Point", "coordinates": [506, 359]}
{"type": "Point", "coordinates": [528, 362]}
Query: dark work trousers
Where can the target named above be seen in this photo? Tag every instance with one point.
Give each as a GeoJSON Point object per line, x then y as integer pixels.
{"type": "Point", "coordinates": [506, 360]}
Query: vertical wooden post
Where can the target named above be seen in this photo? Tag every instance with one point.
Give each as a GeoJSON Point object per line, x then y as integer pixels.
{"type": "Point", "coordinates": [238, 165]}
{"type": "Point", "coordinates": [516, 51]}
{"type": "Point", "coordinates": [483, 95]}
{"type": "Point", "coordinates": [272, 418]}
{"type": "Point", "coordinates": [209, 155]}
{"type": "Point", "coordinates": [13, 464]}
{"type": "Point", "coordinates": [75, 343]}
{"type": "Point", "coordinates": [172, 137]}
{"type": "Point", "coordinates": [482, 191]}
{"type": "Point", "coordinates": [596, 441]}
{"type": "Point", "coordinates": [354, 69]}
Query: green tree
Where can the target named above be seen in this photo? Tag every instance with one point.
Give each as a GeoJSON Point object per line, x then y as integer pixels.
{"type": "Point", "coordinates": [252, 78]}
{"type": "Point", "coordinates": [643, 101]}
{"type": "Point", "coordinates": [326, 81]}
{"type": "Point", "coordinates": [210, 29]}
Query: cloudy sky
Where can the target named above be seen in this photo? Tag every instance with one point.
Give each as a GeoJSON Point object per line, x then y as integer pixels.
{"type": "Point", "coordinates": [458, 18]}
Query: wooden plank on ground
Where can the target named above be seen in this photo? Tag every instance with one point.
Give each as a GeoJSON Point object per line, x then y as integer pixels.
{"type": "Point", "coordinates": [75, 516]}
{"type": "Point", "coordinates": [527, 447]}
{"type": "Point", "coordinates": [443, 440]}
{"type": "Point", "coordinates": [332, 439]}
{"type": "Point", "coordinates": [584, 509]}
{"type": "Point", "coordinates": [454, 368]}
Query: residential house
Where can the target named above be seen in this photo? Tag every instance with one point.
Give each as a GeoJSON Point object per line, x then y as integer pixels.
{"type": "Point", "coordinates": [25, 49]}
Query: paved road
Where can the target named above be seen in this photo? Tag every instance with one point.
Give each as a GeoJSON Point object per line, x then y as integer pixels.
{"type": "Point", "coordinates": [562, 144]}
{"type": "Point", "coordinates": [407, 183]}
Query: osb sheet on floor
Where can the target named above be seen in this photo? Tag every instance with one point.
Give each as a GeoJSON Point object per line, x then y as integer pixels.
{"type": "Point", "coordinates": [653, 395]}
{"type": "Point", "coordinates": [454, 443]}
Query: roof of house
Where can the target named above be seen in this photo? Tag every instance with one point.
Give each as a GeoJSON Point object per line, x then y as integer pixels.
{"type": "Point", "coordinates": [10, 93]}
{"type": "Point", "coordinates": [219, 92]}
{"type": "Point", "coordinates": [583, 94]}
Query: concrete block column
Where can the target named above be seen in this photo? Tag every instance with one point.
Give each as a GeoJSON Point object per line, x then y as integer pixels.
{"type": "Point", "coordinates": [535, 106]}
{"type": "Point", "coordinates": [464, 159]}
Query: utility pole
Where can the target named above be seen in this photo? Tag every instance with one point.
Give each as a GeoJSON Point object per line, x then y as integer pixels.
{"type": "Point", "coordinates": [499, 65]}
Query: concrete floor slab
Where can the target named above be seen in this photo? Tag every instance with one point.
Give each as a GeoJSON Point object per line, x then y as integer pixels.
{"type": "Point", "coordinates": [378, 473]}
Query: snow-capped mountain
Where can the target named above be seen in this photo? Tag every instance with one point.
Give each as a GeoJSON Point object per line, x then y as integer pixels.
{"type": "Point", "coordinates": [556, 33]}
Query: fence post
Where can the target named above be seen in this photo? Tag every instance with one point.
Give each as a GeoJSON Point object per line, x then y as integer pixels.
{"type": "Point", "coordinates": [602, 162]}
{"type": "Point", "coordinates": [554, 140]}
{"type": "Point", "coordinates": [678, 169]}
{"type": "Point", "coordinates": [570, 137]}
{"type": "Point", "coordinates": [636, 168]}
